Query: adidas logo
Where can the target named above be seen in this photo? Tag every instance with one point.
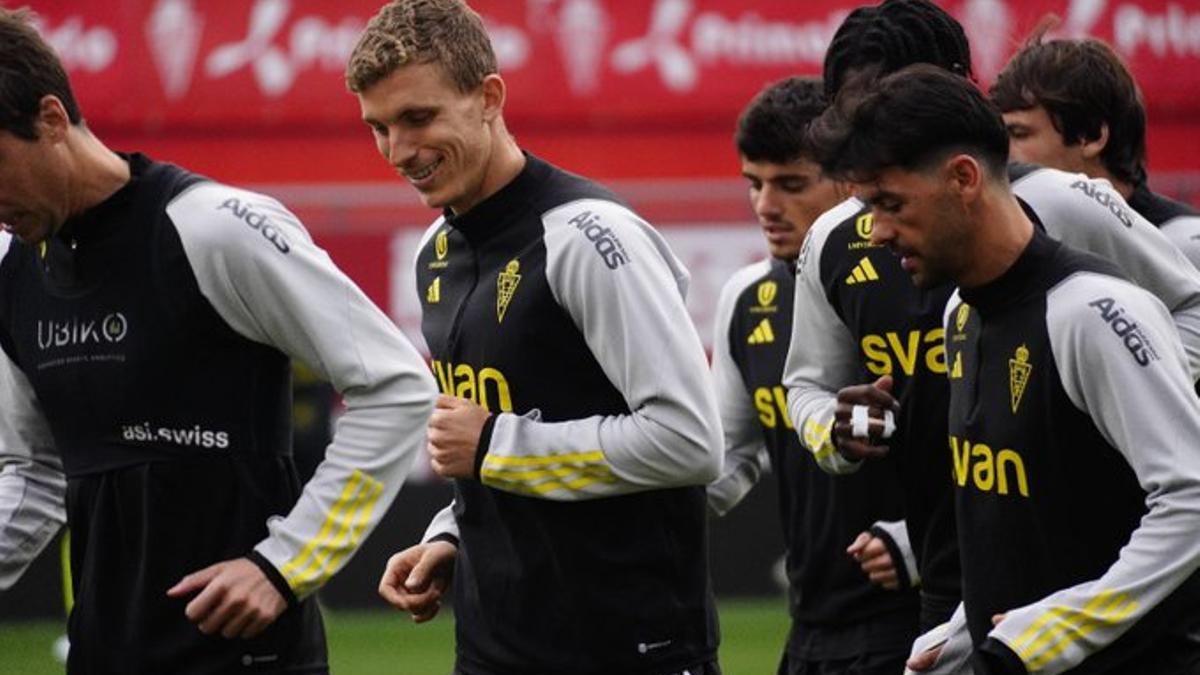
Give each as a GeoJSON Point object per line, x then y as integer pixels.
{"type": "Point", "coordinates": [863, 272]}
{"type": "Point", "coordinates": [762, 334]}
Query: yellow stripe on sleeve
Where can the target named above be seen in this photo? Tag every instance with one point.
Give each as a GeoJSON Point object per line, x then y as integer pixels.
{"type": "Point", "coordinates": [593, 456]}
{"type": "Point", "coordinates": [338, 535]}
{"type": "Point", "coordinates": [1059, 627]}
{"type": "Point", "coordinates": [816, 435]}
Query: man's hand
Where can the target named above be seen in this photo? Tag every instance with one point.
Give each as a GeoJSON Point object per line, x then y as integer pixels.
{"type": "Point", "coordinates": [925, 660]}
{"type": "Point", "coordinates": [454, 430]}
{"type": "Point", "coordinates": [876, 398]}
{"type": "Point", "coordinates": [875, 559]}
{"type": "Point", "coordinates": [415, 579]}
{"type": "Point", "coordinates": [235, 599]}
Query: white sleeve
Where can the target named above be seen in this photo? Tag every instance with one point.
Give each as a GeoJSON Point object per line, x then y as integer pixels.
{"type": "Point", "coordinates": [1184, 232]}
{"type": "Point", "coordinates": [628, 303]}
{"type": "Point", "coordinates": [1121, 363]}
{"type": "Point", "coordinates": [259, 269]}
{"type": "Point", "coordinates": [745, 447]}
{"type": "Point", "coordinates": [822, 357]}
{"type": "Point", "coordinates": [1090, 215]}
{"type": "Point", "coordinates": [443, 524]}
{"type": "Point", "coordinates": [32, 485]}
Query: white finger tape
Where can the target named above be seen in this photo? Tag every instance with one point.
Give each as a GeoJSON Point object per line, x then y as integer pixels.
{"type": "Point", "coordinates": [860, 422]}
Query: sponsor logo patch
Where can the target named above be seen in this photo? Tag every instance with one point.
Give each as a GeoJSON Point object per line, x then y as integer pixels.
{"type": "Point", "coordinates": [1132, 336]}
{"type": "Point", "coordinates": [258, 222]}
{"type": "Point", "coordinates": [603, 239]}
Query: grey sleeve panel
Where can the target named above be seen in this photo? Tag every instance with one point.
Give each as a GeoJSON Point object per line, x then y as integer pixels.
{"type": "Point", "coordinates": [954, 640]}
{"type": "Point", "coordinates": [32, 485]}
{"type": "Point", "coordinates": [745, 448]}
{"type": "Point", "coordinates": [822, 357]}
{"type": "Point", "coordinates": [1090, 215]}
{"type": "Point", "coordinates": [1184, 232]}
{"type": "Point", "coordinates": [263, 275]}
{"type": "Point", "coordinates": [630, 312]}
{"type": "Point", "coordinates": [1121, 362]}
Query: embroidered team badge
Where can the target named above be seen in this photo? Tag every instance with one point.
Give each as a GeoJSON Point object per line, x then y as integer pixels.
{"type": "Point", "coordinates": [441, 245]}
{"type": "Point", "coordinates": [441, 248]}
{"type": "Point", "coordinates": [506, 285]}
{"type": "Point", "coordinates": [1019, 370]}
{"type": "Point", "coordinates": [865, 225]}
{"type": "Point", "coordinates": [960, 317]}
{"type": "Point", "coordinates": [767, 291]}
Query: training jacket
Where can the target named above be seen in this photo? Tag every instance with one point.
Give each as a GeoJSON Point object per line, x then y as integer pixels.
{"type": "Point", "coordinates": [582, 544]}
{"type": "Point", "coordinates": [146, 345]}
{"type": "Point", "coordinates": [1072, 435]}
{"type": "Point", "coordinates": [1179, 221]}
{"type": "Point", "coordinates": [866, 319]}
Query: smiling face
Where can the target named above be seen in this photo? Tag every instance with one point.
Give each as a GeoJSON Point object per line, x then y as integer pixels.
{"type": "Point", "coordinates": [33, 186]}
{"type": "Point", "coordinates": [919, 218]}
{"type": "Point", "coordinates": [441, 140]}
{"type": "Point", "coordinates": [787, 198]}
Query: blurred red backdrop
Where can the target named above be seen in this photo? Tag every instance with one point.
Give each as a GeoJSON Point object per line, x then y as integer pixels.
{"type": "Point", "coordinates": [640, 94]}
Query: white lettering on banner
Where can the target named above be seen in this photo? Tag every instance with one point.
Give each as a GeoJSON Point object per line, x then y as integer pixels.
{"type": "Point", "coordinates": [80, 48]}
{"type": "Point", "coordinates": [1175, 32]}
{"type": "Point", "coordinates": [311, 42]}
{"type": "Point", "coordinates": [714, 38]}
{"type": "Point", "coordinates": [173, 33]}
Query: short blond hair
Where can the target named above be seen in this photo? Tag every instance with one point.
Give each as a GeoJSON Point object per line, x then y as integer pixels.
{"type": "Point", "coordinates": [406, 32]}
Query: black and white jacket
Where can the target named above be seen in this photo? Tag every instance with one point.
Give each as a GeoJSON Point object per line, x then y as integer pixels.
{"type": "Point", "coordinates": [1073, 435]}
{"type": "Point", "coordinates": [582, 543]}
{"type": "Point", "coordinates": [146, 380]}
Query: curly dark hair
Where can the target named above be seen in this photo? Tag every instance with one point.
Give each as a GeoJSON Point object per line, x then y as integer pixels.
{"type": "Point", "coordinates": [774, 125]}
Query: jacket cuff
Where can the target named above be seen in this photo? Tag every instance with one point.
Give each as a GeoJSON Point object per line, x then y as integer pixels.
{"type": "Point", "coordinates": [485, 442]}
{"type": "Point", "coordinates": [993, 657]}
{"type": "Point", "coordinates": [899, 560]}
{"type": "Point", "coordinates": [446, 537]}
{"type": "Point", "coordinates": [274, 577]}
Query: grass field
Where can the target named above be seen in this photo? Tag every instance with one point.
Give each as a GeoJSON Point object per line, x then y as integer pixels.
{"type": "Point", "coordinates": [384, 643]}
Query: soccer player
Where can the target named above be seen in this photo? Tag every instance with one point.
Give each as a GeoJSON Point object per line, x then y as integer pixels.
{"type": "Point", "coordinates": [1073, 105]}
{"type": "Point", "coordinates": [841, 622]}
{"type": "Point", "coordinates": [865, 313]}
{"type": "Point", "coordinates": [578, 419]}
{"type": "Point", "coordinates": [1072, 422]}
{"type": "Point", "coordinates": [147, 317]}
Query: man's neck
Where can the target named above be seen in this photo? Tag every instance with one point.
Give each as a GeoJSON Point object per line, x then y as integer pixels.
{"type": "Point", "coordinates": [1004, 230]}
{"type": "Point", "coordinates": [96, 171]}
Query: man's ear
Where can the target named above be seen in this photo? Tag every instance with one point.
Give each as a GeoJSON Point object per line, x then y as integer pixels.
{"type": "Point", "coordinates": [52, 121]}
{"type": "Point", "coordinates": [494, 92]}
{"type": "Point", "coordinates": [964, 176]}
{"type": "Point", "coordinates": [1091, 149]}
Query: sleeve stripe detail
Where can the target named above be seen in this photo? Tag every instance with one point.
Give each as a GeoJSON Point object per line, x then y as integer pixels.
{"type": "Point", "coordinates": [591, 457]}
{"type": "Point", "coordinates": [530, 476]}
{"type": "Point", "coordinates": [816, 435]}
{"type": "Point", "coordinates": [1065, 625]}
{"type": "Point", "coordinates": [552, 485]}
{"type": "Point", "coordinates": [339, 534]}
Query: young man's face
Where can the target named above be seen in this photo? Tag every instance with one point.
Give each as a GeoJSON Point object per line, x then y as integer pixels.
{"type": "Point", "coordinates": [1033, 139]}
{"type": "Point", "coordinates": [917, 217]}
{"type": "Point", "coordinates": [33, 187]}
{"type": "Point", "coordinates": [435, 136]}
{"type": "Point", "coordinates": [787, 198]}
